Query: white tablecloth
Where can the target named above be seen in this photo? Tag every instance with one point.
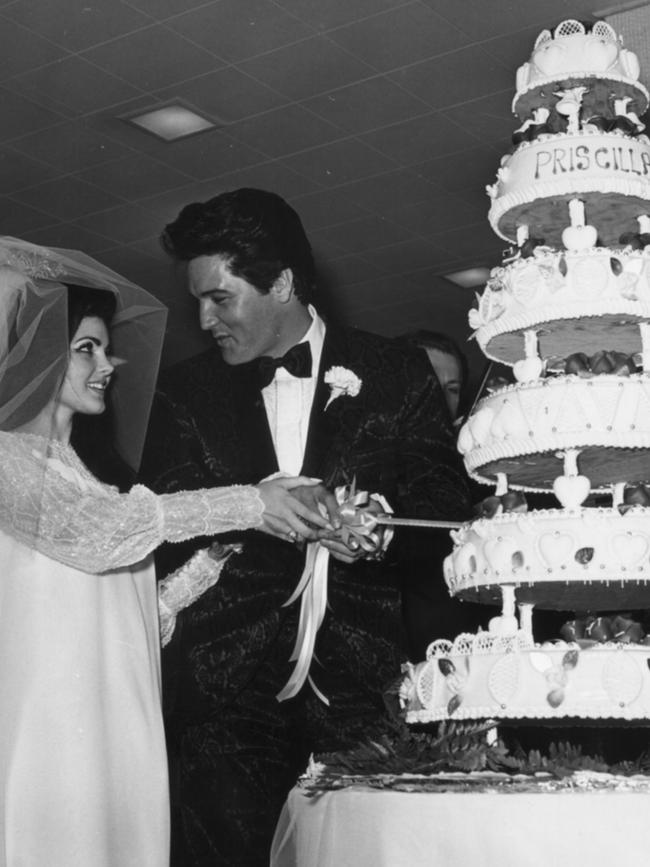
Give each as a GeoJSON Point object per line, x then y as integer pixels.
{"type": "Point", "coordinates": [379, 828]}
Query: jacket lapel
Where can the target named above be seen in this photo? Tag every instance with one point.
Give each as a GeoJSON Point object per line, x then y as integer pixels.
{"type": "Point", "coordinates": [323, 422]}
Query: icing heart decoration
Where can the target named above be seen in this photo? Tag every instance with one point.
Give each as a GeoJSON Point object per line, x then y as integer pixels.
{"type": "Point", "coordinates": [629, 548]}
{"type": "Point", "coordinates": [499, 552]}
{"type": "Point", "coordinates": [480, 423]}
{"type": "Point", "coordinates": [590, 277]}
{"type": "Point", "coordinates": [510, 421]}
{"type": "Point", "coordinates": [503, 624]}
{"type": "Point", "coordinates": [571, 491]}
{"type": "Point", "coordinates": [622, 679]}
{"type": "Point", "coordinates": [465, 560]}
{"type": "Point", "coordinates": [504, 678]}
{"type": "Point", "coordinates": [579, 237]}
{"type": "Point", "coordinates": [529, 287]}
{"type": "Point", "coordinates": [540, 661]}
{"type": "Point", "coordinates": [556, 548]}
{"type": "Point", "coordinates": [528, 369]}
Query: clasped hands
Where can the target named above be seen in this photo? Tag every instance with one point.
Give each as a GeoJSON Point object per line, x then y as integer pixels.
{"type": "Point", "coordinates": [302, 509]}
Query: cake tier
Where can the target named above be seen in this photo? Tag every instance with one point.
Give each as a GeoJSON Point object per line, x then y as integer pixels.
{"type": "Point", "coordinates": [509, 678]}
{"type": "Point", "coordinates": [519, 431]}
{"type": "Point", "coordinates": [609, 172]}
{"type": "Point", "coordinates": [583, 300]}
{"type": "Point", "coordinates": [590, 559]}
{"type": "Point", "coordinates": [572, 57]}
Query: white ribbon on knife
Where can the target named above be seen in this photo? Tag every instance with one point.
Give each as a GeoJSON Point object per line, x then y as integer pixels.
{"type": "Point", "coordinates": [359, 525]}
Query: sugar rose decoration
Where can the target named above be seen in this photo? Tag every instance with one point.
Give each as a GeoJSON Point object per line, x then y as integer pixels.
{"type": "Point", "coordinates": [342, 382]}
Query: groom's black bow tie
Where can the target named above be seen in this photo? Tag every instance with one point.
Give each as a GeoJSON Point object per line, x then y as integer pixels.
{"type": "Point", "coordinates": [297, 362]}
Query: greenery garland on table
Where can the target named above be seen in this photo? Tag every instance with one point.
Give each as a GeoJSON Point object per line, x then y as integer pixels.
{"type": "Point", "coordinates": [461, 747]}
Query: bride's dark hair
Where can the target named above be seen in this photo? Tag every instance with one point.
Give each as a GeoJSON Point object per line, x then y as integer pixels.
{"type": "Point", "coordinates": [93, 436]}
{"type": "Point", "coordinates": [86, 301]}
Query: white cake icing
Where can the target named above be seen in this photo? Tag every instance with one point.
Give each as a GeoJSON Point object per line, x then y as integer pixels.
{"type": "Point", "coordinates": [552, 289]}
{"type": "Point", "coordinates": [569, 311]}
{"type": "Point", "coordinates": [571, 55]}
{"type": "Point", "coordinates": [575, 560]}
{"type": "Point", "coordinates": [610, 172]}
{"type": "Point", "coordinates": [520, 429]}
{"type": "Point", "coordinates": [485, 676]}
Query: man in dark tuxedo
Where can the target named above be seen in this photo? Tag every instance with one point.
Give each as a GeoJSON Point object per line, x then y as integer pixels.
{"type": "Point", "coordinates": [232, 415]}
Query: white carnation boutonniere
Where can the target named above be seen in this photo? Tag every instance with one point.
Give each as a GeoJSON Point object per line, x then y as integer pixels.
{"type": "Point", "coordinates": [342, 382]}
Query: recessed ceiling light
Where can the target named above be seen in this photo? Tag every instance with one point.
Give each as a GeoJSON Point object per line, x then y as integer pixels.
{"type": "Point", "coordinates": [170, 122]}
{"type": "Point", "coordinates": [469, 278]}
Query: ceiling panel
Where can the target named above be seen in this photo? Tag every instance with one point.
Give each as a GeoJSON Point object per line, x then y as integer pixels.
{"type": "Point", "coordinates": [209, 155]}
{"type": "Point", "coordinates": [339, 162]}
{"type": "Point", "coordinates": [17, 218]}
{"type": "Point", "coordinates": [18, 171]}
{"type": "Point", "coordinates": [333, 13]}
{"type": "Point", "coordinates": [69, 147]}
{"type": "Point", "coordinates": [20, 116]}
{"type": "Point", "coordinates": [443, 211]}
{"type": "Point", "coordinates": [22, 49]}
{"type": "Point", "coordinates": [72, 86]}
{"type": "Point", "coordinates": [481, 20]}
{"type": "Point", "coordinates": [412, 255]}
{"type": "Point", "coordinates": [368, 233]}
{"type": "Point", "coordinates": [414, 141]}
{"type": "Point", "coordinates": [367, 105]}
{"type": "Point", "coordinates": [235, 31]}
{"type": "Point", "coordinates": [284, 131]}
{"type": "Point", "coordinates": [327, 208]}
{"type": "Point", "coordinates": [383, 192]}
{"type": "Point", "coordinates": [469, 169]}
{"type": "Point", "coordinates": [69, 197]}
{"type": "Point", "coordinates": [457, 77]}
{"type": "Point", "coordinates": [272, 175]}
{"type": "Point", "coordinates": [163, 9]}
{"type": "Point", "coordinates": [400, 37]}
{"type": "Point", "coordinates": [306, 68]}
{"type": "Point", "coordinates": [76, 24]}
{"type": "Point", "coordinates": [70, 237]}
{"type": "Point", "coordinates": [123, 224]}
{"type": "Point", "coordinates": [143, 58]}
{"type": "Point", "coordinates": [134, 177]}
{"type": "Point", "coordinates": [487, 119]}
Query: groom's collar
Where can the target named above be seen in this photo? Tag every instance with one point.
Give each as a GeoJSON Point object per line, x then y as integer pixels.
{"type": "Point", "coordinates": [315, 336]}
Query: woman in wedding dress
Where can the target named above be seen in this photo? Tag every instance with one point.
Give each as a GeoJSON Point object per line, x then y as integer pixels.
{"type": "Point", "coordinates": [83, 772]}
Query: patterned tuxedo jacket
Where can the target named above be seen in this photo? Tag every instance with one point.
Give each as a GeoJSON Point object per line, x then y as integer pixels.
{"type": "Point", "coordinates": [209, 427]}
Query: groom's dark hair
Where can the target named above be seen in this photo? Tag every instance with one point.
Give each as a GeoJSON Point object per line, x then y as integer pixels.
{"type": "Point", "coordinates": [256, 231]}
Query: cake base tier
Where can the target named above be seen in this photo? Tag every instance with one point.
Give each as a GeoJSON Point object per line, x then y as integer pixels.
{"type": "Point", "coordinates": [506, 680]}
{"type": "Point", "coordinates": [523, 430]}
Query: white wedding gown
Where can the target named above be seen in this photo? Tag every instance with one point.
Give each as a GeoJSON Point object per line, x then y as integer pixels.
{"type": "Point", "coordinates": [83, 772]}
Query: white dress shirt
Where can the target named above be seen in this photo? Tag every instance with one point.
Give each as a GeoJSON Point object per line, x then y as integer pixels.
{"type": "Point", "coordinates": [288, 401]}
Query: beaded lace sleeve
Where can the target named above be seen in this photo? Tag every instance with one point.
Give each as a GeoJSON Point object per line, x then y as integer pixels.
{"type": "Point", "coordinates": [57, 507]}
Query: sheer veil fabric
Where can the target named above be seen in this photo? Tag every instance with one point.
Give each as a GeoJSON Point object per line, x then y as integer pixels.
{"type": "Point", "coordinates": [34, 341]}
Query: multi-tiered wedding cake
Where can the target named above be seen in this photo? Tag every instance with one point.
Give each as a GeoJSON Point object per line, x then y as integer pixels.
{"type": "Point", "coordinates": [569, 312]}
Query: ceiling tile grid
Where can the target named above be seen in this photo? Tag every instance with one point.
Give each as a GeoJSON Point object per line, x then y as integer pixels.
{"type": "Point", "coordinates": [382, 121]}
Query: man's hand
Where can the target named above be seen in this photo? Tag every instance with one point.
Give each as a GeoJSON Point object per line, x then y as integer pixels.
{"type": "Point", "coordinates": [342, 552]}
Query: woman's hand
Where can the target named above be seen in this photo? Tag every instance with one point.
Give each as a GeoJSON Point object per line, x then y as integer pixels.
{"type": "Point", "coordinates": [288, 517]}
